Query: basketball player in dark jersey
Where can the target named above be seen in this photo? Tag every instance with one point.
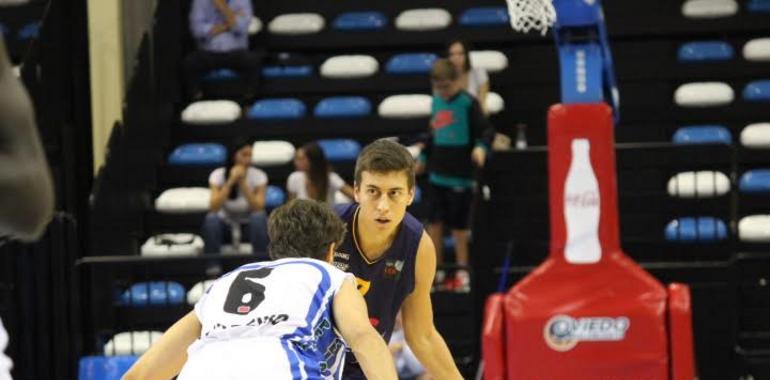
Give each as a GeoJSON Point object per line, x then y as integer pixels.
{"type": "Point", "coordinates": [392, 257]}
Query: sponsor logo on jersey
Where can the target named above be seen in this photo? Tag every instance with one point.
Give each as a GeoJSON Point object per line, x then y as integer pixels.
{"type": "Point", "coordinates": [442, 119]}
{"type": "Point", "coordinates": [393, 269]}
{"type": "Point", "coordinates": [563, 333]}
{"type": "Point", "coordinates": [340, 261]}
{"type": "Point", "coordinates": [363, 285]}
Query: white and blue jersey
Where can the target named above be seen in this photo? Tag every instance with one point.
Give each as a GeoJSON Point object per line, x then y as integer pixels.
{"type": "Point", "coordinates": [269, 320]}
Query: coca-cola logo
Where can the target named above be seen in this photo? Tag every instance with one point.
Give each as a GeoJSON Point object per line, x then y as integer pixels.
{"type": "Point", "coordinates": [585, 199]}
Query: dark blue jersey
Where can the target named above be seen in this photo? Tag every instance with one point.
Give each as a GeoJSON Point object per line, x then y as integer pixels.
{"type": "Point", "coordinates": [386, 282]}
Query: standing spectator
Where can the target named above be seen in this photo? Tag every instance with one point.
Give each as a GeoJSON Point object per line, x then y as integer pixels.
{"type": "Point", "coordinates": [314, 178]}
{"type": "Point", "coordinates": [460, 138]}
{"type": "Point", "coordinates": [473, 80]}
{"type": "Point", "coordinates": [220, 29]}
{"type": "Point", "coordinates": [237, 198]}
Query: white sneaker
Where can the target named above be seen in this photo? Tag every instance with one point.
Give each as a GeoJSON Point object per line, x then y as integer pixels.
{"type": "Point", "coordinates": [463, 281]}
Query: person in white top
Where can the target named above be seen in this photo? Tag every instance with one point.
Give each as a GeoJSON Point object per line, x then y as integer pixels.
{"type": "Point", "coordinates": [237, 199]}
{"type": "Point", "coordinates": [291, 318]}
{"type": "Point", "coordinates": [472, 79]}
{"type": "Point", "coordinates": [314, 178]}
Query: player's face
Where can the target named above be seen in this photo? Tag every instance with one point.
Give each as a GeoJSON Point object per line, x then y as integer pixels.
{"type": "Point", "coordinates": [457, 56]}
{"type": "Point", "coordinates": [301, 162]}
{"type": "Point", "coordinates": [243, 156]}
{"type": "Point", "coordinates": [383, 198]}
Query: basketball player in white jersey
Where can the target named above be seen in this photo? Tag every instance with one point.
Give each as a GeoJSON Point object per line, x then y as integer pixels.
{"type": "Point", "coordinates": [26, 191]}
{"type": "Point", "coordinates": [290, 318]}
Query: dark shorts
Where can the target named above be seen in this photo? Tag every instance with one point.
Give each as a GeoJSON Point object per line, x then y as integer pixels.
{"type": "Point", "coordinates": [450, 206]}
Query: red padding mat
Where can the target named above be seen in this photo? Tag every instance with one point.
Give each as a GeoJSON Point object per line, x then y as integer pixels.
{"type": "Point", "coordinates": [588, 312]}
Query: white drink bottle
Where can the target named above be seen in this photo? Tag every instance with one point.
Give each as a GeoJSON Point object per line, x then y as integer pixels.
{"type": "Point", "coordinates": [581, 207]}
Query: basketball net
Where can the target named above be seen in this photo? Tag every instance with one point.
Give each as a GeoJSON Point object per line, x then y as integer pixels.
{"type": "Point", "coordinates": [526, 15]}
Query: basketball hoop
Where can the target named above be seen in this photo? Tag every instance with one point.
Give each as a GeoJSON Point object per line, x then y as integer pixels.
{"type": "Point", "coordinates": [529, 15]}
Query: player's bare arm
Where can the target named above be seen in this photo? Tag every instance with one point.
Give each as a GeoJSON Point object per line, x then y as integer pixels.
{"type": "Point", "coordinates": [367, 345]}
{"type": "Point", "coordinates": [167, 356]}
{"type": "Point", "coordinates": [24, 172]}
{"type": "Point", "coordinates": [421, 334]}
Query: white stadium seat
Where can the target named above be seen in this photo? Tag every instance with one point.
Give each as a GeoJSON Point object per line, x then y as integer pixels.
{"type": "Point", "coordinates": [704, 94]}
{"type": "Point", "coordinates": [269, 153]}
{"type": "Point", "coordinates": [495, 103]}
{"type": "Point", "coordinates": [131, 343]}
{"type": "Point", "coordinates": [349, 66]}
{"type": "Point", "coordinates": [756, 135]}
{"type": "Point", "coordinates": [183, 200]}
{"type": "Point", "coordinates": [490, 60]}
{"type": "Point", "coordinates": [754, 228]}
{"type": "Point", "coordinates": [211, 112]}
{"type": "Point", "coordinates": [423, 19]}
{"type": "Point", "coordinates": [709, 8]}
{"type": "Point", "coordinates": [702, 184]}
{"type": "Point", "coordinates": [405, 106]}
{"type": "Point", "coordinates": [757, 49]}
{"type": "Point", "coordinates": [255, 26]}
{"type": "Point", "coordinates": [197, 290]}
{"type": "Point", "coordinates": [173, 245]}
{"type": "Point", "coordinates": [296, 24]}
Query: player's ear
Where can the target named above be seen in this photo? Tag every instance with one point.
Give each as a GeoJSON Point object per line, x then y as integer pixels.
{"type": "Point", "coordinates": [412, 192]}
{"type": "Point", "coordinates": [330, 253]}
{"type": "Point", "coordinates": [356, 189]}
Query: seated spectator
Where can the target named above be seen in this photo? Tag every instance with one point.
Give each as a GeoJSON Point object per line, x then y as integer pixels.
{"type": "Point", "coordinates": [314, 178]}
{"type": "Point", "coordinates": [220, 30]}
{"type": "Point", "coordinates": [237, 198]}
{"type": "Point", "coordinates": [473, 80]}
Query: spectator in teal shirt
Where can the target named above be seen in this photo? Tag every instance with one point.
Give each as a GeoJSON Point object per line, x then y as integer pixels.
{"type": "Point", "coordinates": [460, 137]}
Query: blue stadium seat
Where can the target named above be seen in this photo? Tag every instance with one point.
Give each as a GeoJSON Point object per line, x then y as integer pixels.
{"type": "Point", "coordinates": [292, 71]}
{"type": "Point", "coordinates": [700, 51]}
{"type": "Point", "coordinates": [340, 149]}
{"type": "Point", "coordinates": [484, 16]}
{"type": "Point", "coordinates": [276, 109]}
{"type": "Point", "coordinates": [410, 63]}
{"type": "Point", "coordinates": [702, 134]}
{"type": "Point", "coordinates": [274, 197]}
{"type": "Point", "coordinates": [153, 293]}
{"type": "Point", "coordinates": [758, 6]}
{"type": "Point", "coordinates": [757, 91]}
{"type": "Point", "coordinates": [104, 367]}
{"type": "Point", "coordinates": [417, 194]}
{"type": "Point", "coordinates": [360, 21]}
{"type": "Point", "coordinates": [343, 106]}
{"type": "Point", "coordinates": [755, 181]}
{"type": "Point", "coordinates": [29, 31]}
{"type": "Point", "coordinates": [198, 154]}
{"type": "Point", "coordinates": [220, 75]}
{"type": "Point", "coordinates": [704, 229]}
{"type": "Point", "coordinates": [3, 30]}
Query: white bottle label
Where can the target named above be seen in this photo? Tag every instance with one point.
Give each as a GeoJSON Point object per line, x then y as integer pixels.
{"type": "Point", "coordinates": [581, 207]}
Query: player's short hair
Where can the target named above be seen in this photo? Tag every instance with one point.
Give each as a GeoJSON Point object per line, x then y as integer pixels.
{"type": "Point", "coordinates": [385, 156]}
{"type": "Point", "coordinates": [443, 70]}
{"type": "Point", "coordinates": [303, 228]}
